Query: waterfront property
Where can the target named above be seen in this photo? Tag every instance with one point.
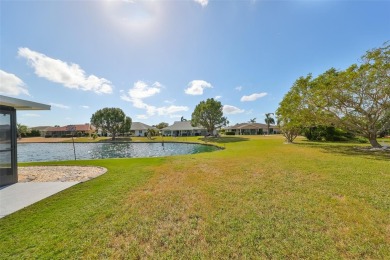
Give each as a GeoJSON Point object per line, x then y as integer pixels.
{"type": "Point", "coordinates": [69, 130]}
{"type": "Point", "coordinates": [252, 129]}
{"type": "Point", "coordinates": [140, 129]}
{"type": "Point", "coordinates": [8, 145]}
{"type": "Point", "coordinates": [183, 128]}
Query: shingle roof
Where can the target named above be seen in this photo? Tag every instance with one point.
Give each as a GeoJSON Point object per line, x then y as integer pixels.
{"type": "Point", "coordinates": [249, 126]}
{"type": "Point", "coordinates": [135, 126]}
{"type": "Point", "coordinates": [84, 127]}
{"type": "Point", "coordinates": [181, 126]}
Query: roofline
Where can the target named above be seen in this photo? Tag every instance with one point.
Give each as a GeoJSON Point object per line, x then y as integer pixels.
{"type": "Point", "coordinates": [20, 104]}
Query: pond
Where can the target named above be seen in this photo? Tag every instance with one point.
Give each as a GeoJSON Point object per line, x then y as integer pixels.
{"type": "Point", "coordinates": [39, 152]}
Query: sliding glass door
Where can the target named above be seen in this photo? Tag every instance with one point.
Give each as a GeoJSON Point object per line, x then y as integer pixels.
{"type": "Point", "coordinates": [8, 170]}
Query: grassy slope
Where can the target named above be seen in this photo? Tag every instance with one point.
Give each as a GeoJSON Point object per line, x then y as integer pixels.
{"type": "Point", "coordinates": [257, 198]}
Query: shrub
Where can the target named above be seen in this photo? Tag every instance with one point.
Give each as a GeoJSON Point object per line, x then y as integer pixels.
{"type": "Point", "coordinates": [230, 133]}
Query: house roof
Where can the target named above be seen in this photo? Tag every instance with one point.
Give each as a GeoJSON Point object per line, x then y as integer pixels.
{"type": "Point", "coordinates": [40, 128]}
{"type": "Point", "coordinates": [20, 104]}
{"type": "Point", "coordinates": [84, 127]}
{"type": "Point", "coordinates": [135, 126]}
{"type": "Point", "coordinates": [249, 126]}
{"type": "Point", "coordinates": [182, 126]}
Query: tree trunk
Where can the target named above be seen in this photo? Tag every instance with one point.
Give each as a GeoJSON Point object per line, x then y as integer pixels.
{"type": "Point", "coordinates": [372, 138]}
{"type": "Point", "coordinates": [374, 143]}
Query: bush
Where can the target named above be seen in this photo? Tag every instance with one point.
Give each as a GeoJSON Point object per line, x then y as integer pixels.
{"type": "Point", "coordinates": [230, 133]}
{"type": "Point", "coordinates": [327, 133]}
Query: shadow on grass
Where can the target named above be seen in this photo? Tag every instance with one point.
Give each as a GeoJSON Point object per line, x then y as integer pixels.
{"type": "Point", "coordinates": [350, 150]}
{"type": "Point", "coordinates": [224, 140]}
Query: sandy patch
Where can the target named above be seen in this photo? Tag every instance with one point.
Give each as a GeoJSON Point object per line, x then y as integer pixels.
{"type": "Point", "coordinates": [59, 173]}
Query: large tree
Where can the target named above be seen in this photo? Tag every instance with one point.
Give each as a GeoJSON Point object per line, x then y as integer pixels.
{"type": "Point", "coordinates": [209, 114]}
{"type": "Point", "coordinates": [356, 99]}
{"type": "Point", "coordinates": [269, 120]}
{"type": "Point", "coordinates": [111, 120]}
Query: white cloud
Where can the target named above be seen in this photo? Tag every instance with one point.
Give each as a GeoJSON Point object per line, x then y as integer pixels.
{"type": "Point", "coordinates": [141, 116]}
{"type": "Point", "coordinates": [142, 90]}
{"type": "Point", "coordinates": [239, 88]}
{"type": "Point", "coordinates": [86, 107]}
{"type": "Point", "coordinates": [253, 97]}
{"type": "Point", "coordinates": [218, 97]}
{"type": "Point", "coordinates": [227, 109]}
{"type": "Point", "coordinates": [203, 3]}
{"type": "Point", "coordinates": [170, 101]}
{"type": "Point", "coordinates": [69, 75]}
{"type": "Point", "coordinates": [196, 87]}
{"type": "Point", "coordinates": [11, 84]}
{"type": "Point", "coordinates": [59, 106]}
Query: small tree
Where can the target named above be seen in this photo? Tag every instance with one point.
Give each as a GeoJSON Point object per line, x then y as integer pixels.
{"type": "Point", "coordinates": [269, 120]}
{"type": "Point", "coordinates": [111, 120]}
{"type": "Point", "coordinates": [22, 130]}
{"type": "Point", "coordinates": [209, 114]}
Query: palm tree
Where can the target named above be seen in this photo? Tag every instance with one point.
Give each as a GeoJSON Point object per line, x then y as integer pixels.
{"type": "Point", "coordinates": [269, 120]}
{"type": "Point", "coordinates": [253, 120]}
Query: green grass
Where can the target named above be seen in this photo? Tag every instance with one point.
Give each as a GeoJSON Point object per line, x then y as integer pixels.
{"type": "Point", "coordinates": [258, 198]}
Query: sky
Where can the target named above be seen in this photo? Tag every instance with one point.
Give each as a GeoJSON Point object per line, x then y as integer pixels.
{"type": "Point", "coordinates": [156, 60]}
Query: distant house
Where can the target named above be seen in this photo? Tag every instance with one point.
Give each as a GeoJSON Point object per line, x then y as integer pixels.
{"type": "Point", "coordinates": [69, 130]}
{"type": "Point", "coordinates": [140, 129]}
{"type": "Point", "coordinates": [252, 129]}
{"type": "Point", "coordinates": [183, 128]}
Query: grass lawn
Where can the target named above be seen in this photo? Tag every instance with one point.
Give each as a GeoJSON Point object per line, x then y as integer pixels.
{"type": "Point", "coordinates": [258, 198]}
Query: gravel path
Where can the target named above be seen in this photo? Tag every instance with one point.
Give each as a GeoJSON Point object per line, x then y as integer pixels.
{"type": "Point", "coordinates": [59, 173]}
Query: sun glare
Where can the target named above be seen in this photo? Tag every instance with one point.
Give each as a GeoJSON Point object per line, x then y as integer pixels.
{"type": "Point", "coordinates": [133, 15]}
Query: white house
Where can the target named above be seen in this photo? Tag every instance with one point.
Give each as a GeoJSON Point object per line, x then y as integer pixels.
{"type": "Point", "coordinates": [252, 129]}
{"type": "Point", "coordinates": [183, 128]}
{"type": "Point", "coordinates": [140, 129]}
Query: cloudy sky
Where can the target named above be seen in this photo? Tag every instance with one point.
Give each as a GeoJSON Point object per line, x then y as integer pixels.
{"type": "Point", "coordinates": [156, 60]}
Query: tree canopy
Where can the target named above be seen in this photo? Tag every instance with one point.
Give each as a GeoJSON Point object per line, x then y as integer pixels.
{"type": "Point", "coordinates": [162, 125]}
{"type": "Point", "coordinates": [111, 120]}
{"type": "Point", "coordinates": [356, 99]}
{"type": "Point", "coordinates": [209, 114]}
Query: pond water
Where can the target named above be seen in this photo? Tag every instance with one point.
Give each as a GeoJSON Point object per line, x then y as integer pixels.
{"type": "Point", "coordinates": [39, 152]}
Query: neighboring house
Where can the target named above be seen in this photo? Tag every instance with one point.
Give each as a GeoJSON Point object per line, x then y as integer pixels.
{"type": "Point", "coordinates": [183, 128]}
{"type": "Point", "coordinates": [68, 130]}
{"type": "Point", "coordinates": [42, 129]}
{"type": "Point", "coordinates": [140, 129]}
{"type": "Point", "coordinates": [252, 129]}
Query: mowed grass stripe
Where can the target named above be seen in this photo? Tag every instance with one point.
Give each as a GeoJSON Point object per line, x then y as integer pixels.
{"type": "Point", "coordinates": [258, 198]}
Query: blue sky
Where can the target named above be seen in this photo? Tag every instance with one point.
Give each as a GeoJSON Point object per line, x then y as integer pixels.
{"type": "Point", "coordinates": [156, 60]}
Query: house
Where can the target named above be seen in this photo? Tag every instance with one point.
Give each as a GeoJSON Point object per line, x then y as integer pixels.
{"type": "Point", "coordinates": [8, 144]}
{"type": "Point", "coordinates": [183, 128]}
{"type": "Point", "coordinates": [140, 129]}
{"type": "Point", "coordinates": [69, 130]}
{"type": "Point", "coordinates": [252, 129]}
